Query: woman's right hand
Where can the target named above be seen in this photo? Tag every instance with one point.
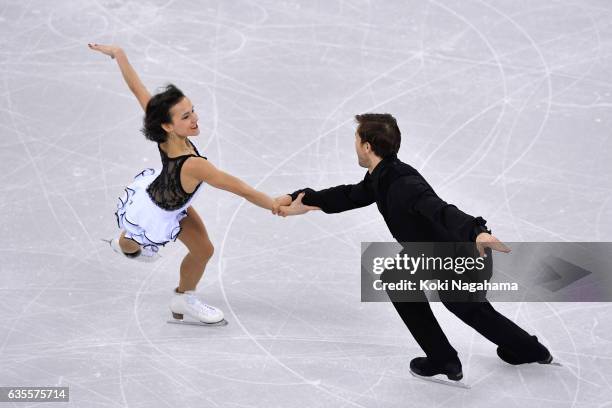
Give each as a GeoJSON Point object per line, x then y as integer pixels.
{"type": "Point", "coordinates": [296, 207]}
{"type": "Point", "coordinates": [110, 50]}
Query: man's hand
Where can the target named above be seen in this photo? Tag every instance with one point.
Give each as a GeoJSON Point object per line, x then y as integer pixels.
{"type": "Point", "coordinates": [485, 240]}
{"type": "Point", "coordinates": [296, 207]}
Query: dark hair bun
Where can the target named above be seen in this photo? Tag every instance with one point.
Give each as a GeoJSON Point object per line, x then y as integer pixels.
{"type": "Point", "coordinates": [158, 112]}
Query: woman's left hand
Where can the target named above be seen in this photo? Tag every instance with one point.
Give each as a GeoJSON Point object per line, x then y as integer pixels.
{"type": "Point", "coordinates": [110, 50]}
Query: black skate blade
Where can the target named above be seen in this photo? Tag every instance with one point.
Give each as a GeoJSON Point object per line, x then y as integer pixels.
{"type": "Point", "coordinates": [457, 384]}
{"type": "Point", "coordinates": [196, 323]}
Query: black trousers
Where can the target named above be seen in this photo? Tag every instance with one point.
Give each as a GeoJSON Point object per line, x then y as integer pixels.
{"type": "Point", "coordinates": [475, 311]}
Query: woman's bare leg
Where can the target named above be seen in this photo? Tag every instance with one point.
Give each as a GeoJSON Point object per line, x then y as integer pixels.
{"type": "Point", "coordinates": [128, 246]}
{"type": "Point", "coordinates": [195, 237]}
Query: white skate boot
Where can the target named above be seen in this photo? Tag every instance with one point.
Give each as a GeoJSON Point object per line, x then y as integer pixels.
{"type": "Point", "coordinates": [144, 254]}
{"type": "Point", "coordinates": [200, 314]}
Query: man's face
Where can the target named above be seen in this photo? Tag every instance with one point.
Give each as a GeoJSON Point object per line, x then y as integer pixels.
{"type": "Point", "coordinates": [362, 154]}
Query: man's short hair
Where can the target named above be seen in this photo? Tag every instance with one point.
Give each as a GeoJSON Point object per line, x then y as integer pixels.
{"type": "Point", "coordinates": [381, 131]}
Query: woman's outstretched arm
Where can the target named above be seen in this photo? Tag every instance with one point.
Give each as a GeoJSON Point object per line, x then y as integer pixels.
{"type": "Point", "coordinates": [129, 75]}
{"type": "Point", "coordinates": [202, 170]}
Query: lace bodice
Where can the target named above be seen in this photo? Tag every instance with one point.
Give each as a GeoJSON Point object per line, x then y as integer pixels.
{"type": "Point", "coordinates": [166, 190]}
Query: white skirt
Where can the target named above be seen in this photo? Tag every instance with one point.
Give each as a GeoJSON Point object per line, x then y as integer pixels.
{"type": "Point", "coordinates": [143, 220]}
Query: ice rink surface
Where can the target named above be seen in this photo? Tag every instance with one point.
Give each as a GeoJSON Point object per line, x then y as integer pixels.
{"type": "Point", "coordinates": [504, 107]}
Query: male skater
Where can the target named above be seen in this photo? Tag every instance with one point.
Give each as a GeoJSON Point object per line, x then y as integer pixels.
{"type": "Point", "coordinates": [414, 213]}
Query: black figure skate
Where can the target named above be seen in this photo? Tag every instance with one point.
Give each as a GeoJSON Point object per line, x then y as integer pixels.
{"type": "Point", "coordinates": [423, 368]}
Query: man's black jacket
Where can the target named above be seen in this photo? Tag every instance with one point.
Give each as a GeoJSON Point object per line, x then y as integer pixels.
{"type": "Point", "coordinates": [412, 210]}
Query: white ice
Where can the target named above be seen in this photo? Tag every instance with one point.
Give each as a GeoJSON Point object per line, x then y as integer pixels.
{"type": "Point", "coordinates": [504, 107]}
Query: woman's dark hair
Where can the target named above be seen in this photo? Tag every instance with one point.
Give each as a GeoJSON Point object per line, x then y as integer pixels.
{"type": "Point", "coordinates": [381, 131]}
{"type": "Point", "coordinates": [158, 112]}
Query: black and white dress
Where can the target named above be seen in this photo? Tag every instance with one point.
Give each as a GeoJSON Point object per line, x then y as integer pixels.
{"type": "Point", "coordinates": [155, 202]}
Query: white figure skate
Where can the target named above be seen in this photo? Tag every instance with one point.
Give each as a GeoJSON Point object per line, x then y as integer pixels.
{"type": "Point", "coordinates": [146, 255]}
{"type": "Point", "coordinates": [186, 308]}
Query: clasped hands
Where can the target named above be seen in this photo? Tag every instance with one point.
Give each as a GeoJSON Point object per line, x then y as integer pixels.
{"type": "Point", "coordinates": [284, 206]}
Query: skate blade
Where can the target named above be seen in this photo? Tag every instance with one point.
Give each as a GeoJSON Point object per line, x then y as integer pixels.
{"type": "Point", "coordinates": [553, 362]}
{"type": "Point", "coordinates": [195, 323]}
{"type": "Point", "coordinates": [457, 384]}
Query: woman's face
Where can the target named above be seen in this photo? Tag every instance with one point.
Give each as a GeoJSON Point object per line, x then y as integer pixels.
{"type": "Point", "coordinates": [184, 119]}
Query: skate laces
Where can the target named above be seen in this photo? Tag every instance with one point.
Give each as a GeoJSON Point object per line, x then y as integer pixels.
{"type": "Point", "coordinates": [197, 304]}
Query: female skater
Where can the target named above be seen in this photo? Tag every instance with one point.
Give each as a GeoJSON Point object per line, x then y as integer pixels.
{"type": "Point", "coordinates": [156, 207]}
